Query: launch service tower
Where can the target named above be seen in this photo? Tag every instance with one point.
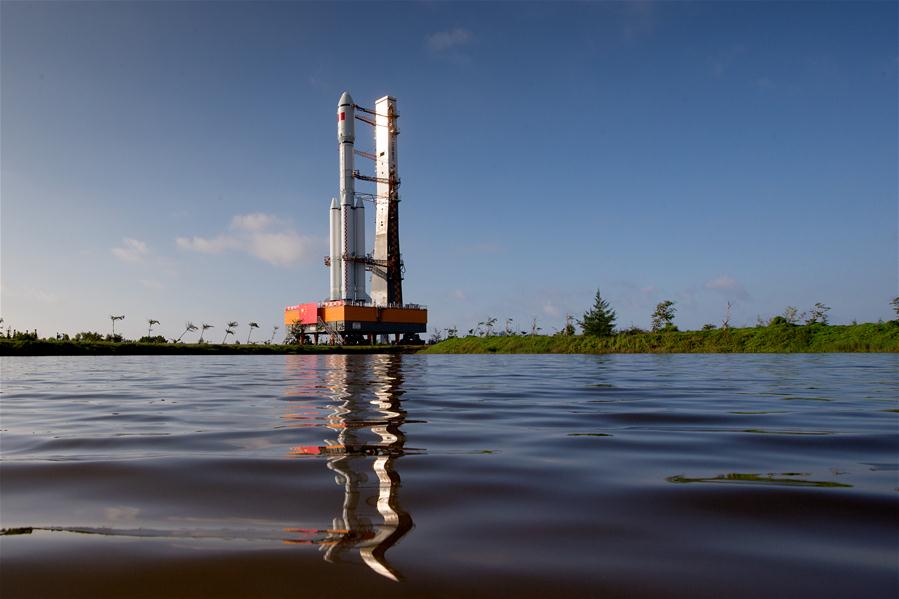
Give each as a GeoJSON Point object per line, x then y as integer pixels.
{"type": "Point", "coordinates": [351, 314]}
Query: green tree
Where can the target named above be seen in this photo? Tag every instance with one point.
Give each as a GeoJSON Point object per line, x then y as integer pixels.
{"type": "Point", "coordinates": [894, 302]}
{"type": "Point", "coordinates": [791, 314]}
{"type": "Point", "coordinates": [568, 329]}
{"type": "Point", "coordinates": [489, 324]}
{"type": "Point", "coordinates": [252, 325]}
{"type": "Point", "coordinates": [113, 319]}
{"type": "Point", "coordinates": [229, 330]}
{"type": "Point", "coordinates": [599, 321]}
{"type": "Point", "coordinates": [204, 326]}
{"type": "Point", "coordinates": [294, 334]}
{"type": "Point", "coordinates": [818, 314]}
{"type": "Point", "coordinates": [189, 327]}
{"type": "Point", "coordinates": [152, 321]}
{"type": "Point", "coordinates": [88, 336]}
{"type": "Point", "coordinates": [663, 316]}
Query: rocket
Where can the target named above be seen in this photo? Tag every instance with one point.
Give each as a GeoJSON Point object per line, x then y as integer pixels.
{"type": "Point", "coordinates": [346, 136]}
{"type": "Point", "coordinates": [347, 215]}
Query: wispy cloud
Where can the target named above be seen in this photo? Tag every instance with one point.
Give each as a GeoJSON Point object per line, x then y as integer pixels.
{"type": "Point", "coordinates": [550, 309]}
{"type": "Point", "coordinates": [208, 245]}
{"type": "Point", "coordinates": [30, 294]}
{"type": "Point", "coordinates": [728, 286]}
{"type": "Point", "coordinates": [263, 236]}
{"type": "Point", "coordinates": [442, 41]}
{"type": "Point", "coordinates": [132, 250]}
{"type": "Point", "coordinates": [253, 222]}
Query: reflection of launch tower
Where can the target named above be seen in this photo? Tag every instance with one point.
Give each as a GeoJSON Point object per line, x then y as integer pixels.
{"type": "Point", "coordinates": [350, 311]}
{"type": "Point", "coordinates": [369, 441]}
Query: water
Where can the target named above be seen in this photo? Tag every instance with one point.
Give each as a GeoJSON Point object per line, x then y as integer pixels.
{"type": "Point", "coordinates": [270, 476]}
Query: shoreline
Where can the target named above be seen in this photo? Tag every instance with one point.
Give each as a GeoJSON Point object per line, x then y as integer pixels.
{"type": "Point", "coordinates": [817, 338]}
{"type": "Point", "coordinates": [51, 347]}
{"type": "Point", "coordinates": [859, 338]}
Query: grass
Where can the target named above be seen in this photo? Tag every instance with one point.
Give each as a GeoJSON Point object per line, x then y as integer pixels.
{"type": "Point", "coordinates": [869, 337]}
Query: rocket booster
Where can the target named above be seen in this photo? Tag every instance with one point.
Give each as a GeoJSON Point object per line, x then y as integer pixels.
{"type": "Point", "coordinates": [336, 260]}
{"type": "Point", "coordinates": [359, 216]}
{"type": "Point", "coordinates": [346, 136]}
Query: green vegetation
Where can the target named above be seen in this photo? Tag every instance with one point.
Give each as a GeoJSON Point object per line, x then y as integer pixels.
{"type": "Point", "coordinates": [52, 347]}
{"type": "Point", "coordinates": [663, 317]}
{"type": "Point", "coordinates": [598, 321]}
{"type": "Point", "coordinates": [775, 338]}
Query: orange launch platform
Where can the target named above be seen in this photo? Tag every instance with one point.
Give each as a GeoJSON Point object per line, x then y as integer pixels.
{"type": "Point", "coordinates": [346, 318]}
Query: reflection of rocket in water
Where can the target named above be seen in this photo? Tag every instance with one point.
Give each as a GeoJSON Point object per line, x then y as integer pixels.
{"type": "Point", "coordinates": [368, 429]}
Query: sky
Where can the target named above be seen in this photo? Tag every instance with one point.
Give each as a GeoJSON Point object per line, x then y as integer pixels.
{"type": "Point", "coordinates": [176, 161]}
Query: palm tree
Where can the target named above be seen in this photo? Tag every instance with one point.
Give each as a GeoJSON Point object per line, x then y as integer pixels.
{"type": "Point", "coordinates": [229, 330]}
{"type": "Point", "coordinates": [489, 325]}
{"type": "Point", "coordinates": [188, 327]}
{"type": "Point", "coordinates": [274, 330]}
{"type": "Point", "coordinates": [203, 332]}
{"type": "Point", "coordinates": [253, 325]}
{"type": "Point", "coordinates": [152, 321]}
{"type": "Point", "coordinates": [115, 318]}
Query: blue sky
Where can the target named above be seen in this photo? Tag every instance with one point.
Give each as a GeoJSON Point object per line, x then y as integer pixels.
{"type": "Point", "coordinates": [176, 160]}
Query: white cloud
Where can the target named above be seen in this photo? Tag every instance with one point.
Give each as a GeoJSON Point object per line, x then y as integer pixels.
{"type": "Point", "coordinates": [252, 234]}
{"type": "Point", "coordinates": [215, 245]}
{"type": "Point", "coordinates": [458, 294]}
{"type": "Point", "coordinates": [445, 40]}
{"type": "Point", "coordinates": [132, 250]}
{"type": "Point", "coordinates": [550, 309]}
{"type": "Point", "coordinates": [252, 222]}
{"type": "Point", "coordinates": [728, 286]}
{"type": "Point", "coordinates": [280, 249]}
{"type": "Point", "coordinates": [39, 295]}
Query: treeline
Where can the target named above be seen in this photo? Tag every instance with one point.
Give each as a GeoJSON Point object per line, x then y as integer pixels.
{"type": "Point", "coordinates": [791, 331]}
{"type": "Point", "coordinates": [599, 321]}
{"type": "Point", "coordinates": [53, 347]}
{"type": "Point", "coordinates": [774, 338]}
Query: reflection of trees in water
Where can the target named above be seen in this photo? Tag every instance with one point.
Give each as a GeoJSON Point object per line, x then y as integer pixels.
{"type": "Point", "coordinates": [366, 416]}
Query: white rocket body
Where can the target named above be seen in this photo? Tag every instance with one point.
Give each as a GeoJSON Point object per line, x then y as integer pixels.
{"type": "Point", "coordinates": [346, 136]}
{"type": "Point", "coordinates": [336, 260]}
{"type": "Point", "coordinates": [359, 229]}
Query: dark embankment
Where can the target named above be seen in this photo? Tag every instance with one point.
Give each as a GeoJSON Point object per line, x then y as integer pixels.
{"type": "Point", "coordinates": [51, 347]}
{"type": "Point", "coordinates": [771, 339]}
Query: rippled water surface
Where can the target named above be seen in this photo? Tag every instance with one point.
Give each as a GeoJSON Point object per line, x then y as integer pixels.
{"type": "Point", "coordinates": [306, 476]}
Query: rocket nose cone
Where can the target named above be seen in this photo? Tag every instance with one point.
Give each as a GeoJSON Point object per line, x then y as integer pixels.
{"type": "Point", "coordinates": [345, 99]}
{"type": "Point", "coordinates": [359, 203]}
{"type": "Point", "coordinates": [334, 205]}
